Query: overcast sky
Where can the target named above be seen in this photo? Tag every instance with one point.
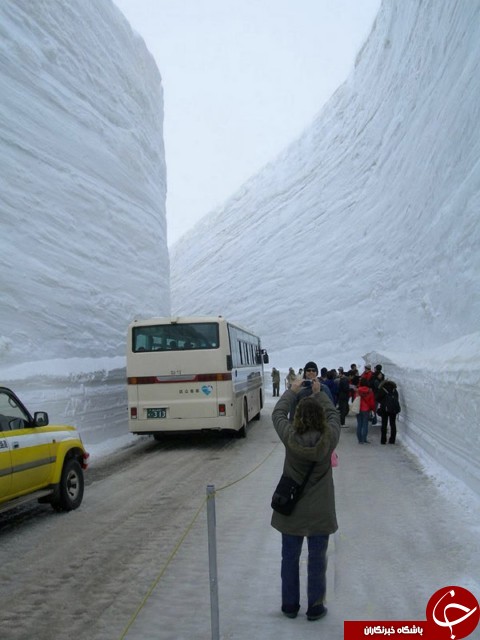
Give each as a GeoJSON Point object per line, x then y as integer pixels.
{"type": "Point", "coordinates": [242, 79]}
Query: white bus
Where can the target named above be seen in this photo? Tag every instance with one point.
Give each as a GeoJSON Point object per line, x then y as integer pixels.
{"type": "Point", "coordinates": [193, 373]}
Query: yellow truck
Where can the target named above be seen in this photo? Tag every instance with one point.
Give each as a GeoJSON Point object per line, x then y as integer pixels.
{"type": "Point", "coordinates": [38, 461]}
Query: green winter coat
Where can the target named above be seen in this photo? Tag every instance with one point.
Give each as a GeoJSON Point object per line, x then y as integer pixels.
{"type": "Point", "coordinates": [314, 513]}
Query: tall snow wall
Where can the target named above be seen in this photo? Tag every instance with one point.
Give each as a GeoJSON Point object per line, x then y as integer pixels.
{"type": "Point", "coordinates": [83, 242]}
{"type": "Point", "coordinates": [83, 181]}
{"type": "Point", "coordinates": [363, 236]}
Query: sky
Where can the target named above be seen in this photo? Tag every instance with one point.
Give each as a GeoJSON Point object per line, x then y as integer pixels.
{"type": "Point", "coordinates": [241, 79]}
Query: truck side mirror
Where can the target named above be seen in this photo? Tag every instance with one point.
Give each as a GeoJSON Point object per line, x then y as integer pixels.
{"type": "Point", "coordinates": [40, 418]}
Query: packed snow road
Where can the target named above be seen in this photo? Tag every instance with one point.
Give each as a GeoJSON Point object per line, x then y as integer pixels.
{"type": "Point", "coordinates": [82, 574]}
{"type": "Point", "coordinates": [132, 562]}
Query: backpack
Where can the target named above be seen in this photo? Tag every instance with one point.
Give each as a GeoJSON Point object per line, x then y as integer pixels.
{"type": "Point", "coordinates": [392, 404]}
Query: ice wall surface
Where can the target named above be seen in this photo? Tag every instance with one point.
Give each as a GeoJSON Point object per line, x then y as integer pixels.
{"type": "Point", "coordinates": [363, 235]}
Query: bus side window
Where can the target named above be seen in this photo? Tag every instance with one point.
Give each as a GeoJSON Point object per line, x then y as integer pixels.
{"type": "Point", "coordinates": [235, 347]}
{"type": "Point", "coordinates": [241, 351]}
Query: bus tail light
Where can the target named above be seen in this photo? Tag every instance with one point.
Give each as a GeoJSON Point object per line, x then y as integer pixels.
{"type": "Point", "coordinates": [133, 413]}
{"type": "Point", "coordinates": [222, 410]}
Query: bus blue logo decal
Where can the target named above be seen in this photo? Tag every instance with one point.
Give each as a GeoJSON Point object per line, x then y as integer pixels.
{"type": "Point", "coordinates": [207, 389]}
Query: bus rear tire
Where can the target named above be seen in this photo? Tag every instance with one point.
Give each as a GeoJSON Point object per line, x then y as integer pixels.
{"type": "Point", "coordinates": [260, 404]}
{"type": "Point", "coordinates": [242, 432]}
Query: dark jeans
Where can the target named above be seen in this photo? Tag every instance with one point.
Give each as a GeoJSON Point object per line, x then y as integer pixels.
{"type": "Point", "coordinates": [362, 425]}
{"type": "Point", "coordinates": [316, 567]}
{"type": "Point", "coordinates": [343, 408]}
{"type": "Point", "coordinates": [393, 427]}
{"type": "Point", "coordinates": [276, 389]}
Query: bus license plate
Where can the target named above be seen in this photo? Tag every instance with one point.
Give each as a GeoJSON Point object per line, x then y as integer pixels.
{"type": "Point", "coordinates": [156, 413]}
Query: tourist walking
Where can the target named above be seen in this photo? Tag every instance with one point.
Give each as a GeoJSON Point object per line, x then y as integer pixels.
{"type": "Point", "coordinates": [367, 406]}
{"type": "Point", "coordinates": [291, 376]}
{"type": "Point", "coordinates": [389, 407]}
{"type": "Point", "coordinates": [343, 395]}
{"type": "Point", "coordinates": [276, 382]}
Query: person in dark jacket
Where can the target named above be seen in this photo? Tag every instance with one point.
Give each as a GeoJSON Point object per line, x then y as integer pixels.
{"type": "Point", "coordinates": [343, 395]}
{"type": "Point", "coordinates": [374, 383]}
{"type": "Point", "coordinates": [330, 383]}
{"type": "Point", "coordinates": [389, 407]}
{"type": "Point", "coordinates": [276, 382]}
{"type": "Point", "coordinates": [311, 437]}
{"type": "Point", "coordinates": [310, 373]}
{"type": "Point", "coordinates": [353, 376]}
{"type": "Point", "coordinates": [377, 378]}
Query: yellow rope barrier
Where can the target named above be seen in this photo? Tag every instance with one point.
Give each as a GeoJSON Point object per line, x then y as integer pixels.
{"type": "Point", "coordinates": [227, 486]}
{"type": "Point", "coordinates": [159, 577]}
{"type": "Point", "coordinates": [180, 542]}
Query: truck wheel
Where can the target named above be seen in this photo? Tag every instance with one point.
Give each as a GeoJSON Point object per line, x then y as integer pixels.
{"type": "Point", "coordinates": [69, 493]}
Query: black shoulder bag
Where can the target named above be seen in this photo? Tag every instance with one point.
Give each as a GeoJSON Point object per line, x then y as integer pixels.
{"type": "Point", "coordinates": [288, 493]}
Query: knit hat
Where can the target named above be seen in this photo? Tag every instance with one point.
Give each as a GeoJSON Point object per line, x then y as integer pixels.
{"type": "Point", "coordinates": [368, 366]}
{"type": "Point", "coordinates": [378, 367]}
{"type": "Point", "coordinates": [310, 365]}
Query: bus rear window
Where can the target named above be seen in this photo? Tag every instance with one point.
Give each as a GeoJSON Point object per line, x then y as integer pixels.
{"type": "Point", "coordinates": [175, 337]}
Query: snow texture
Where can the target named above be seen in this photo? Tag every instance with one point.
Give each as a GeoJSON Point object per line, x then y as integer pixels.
{"type": "Point", "coordinates": [83, 181]}
{"type": "Point", "coordinates": [360, 240]}
{"type": "Point", "coordinates": [362, 237]}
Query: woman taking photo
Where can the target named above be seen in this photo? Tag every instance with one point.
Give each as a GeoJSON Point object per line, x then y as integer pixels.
{"type": "Point", "coordinates": [309, 441]}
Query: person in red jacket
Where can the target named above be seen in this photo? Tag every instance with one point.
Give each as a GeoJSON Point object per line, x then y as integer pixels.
{"type": "Point", "coordinates": [367, 405]}
{"type": "Point", "coordinates": [367, 372]}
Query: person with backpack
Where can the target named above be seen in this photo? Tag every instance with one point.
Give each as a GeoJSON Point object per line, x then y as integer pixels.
{"type": "Point", "coordinates": [389, 407]}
